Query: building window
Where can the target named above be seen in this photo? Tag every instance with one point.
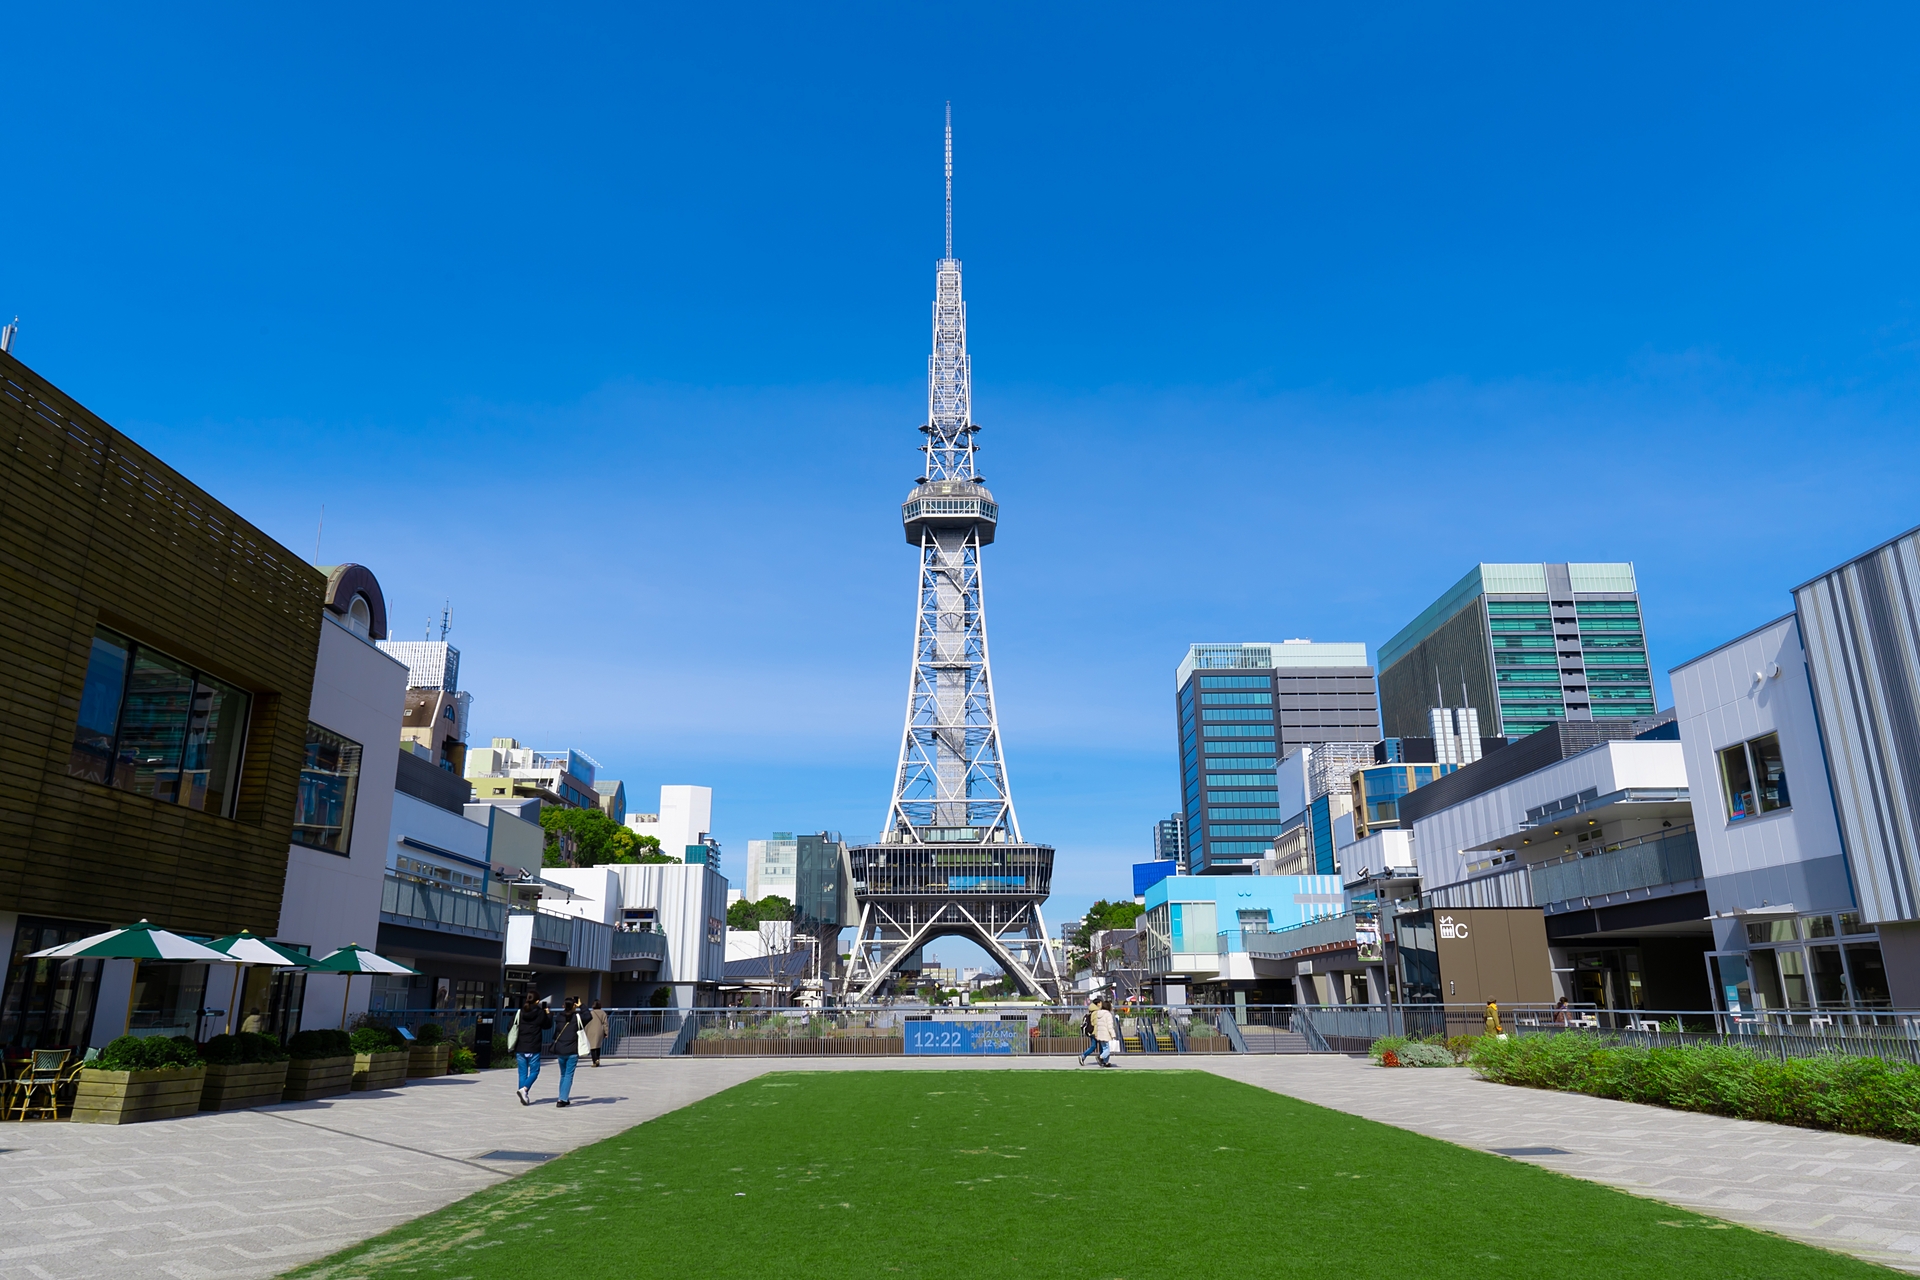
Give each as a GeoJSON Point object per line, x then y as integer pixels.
{"type": "Point", "coordinates": [154, 726]}
{"type": "Point", "coordinates": [323, 817]}
{"type": "Point", "coordinates": [1753, 778]}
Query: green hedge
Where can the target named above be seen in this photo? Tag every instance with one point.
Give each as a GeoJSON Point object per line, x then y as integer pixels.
{"type": "Point", "coordinates": [147, 1053]}
{"type": "Point", "coordinates": [1849, 1094]}
{"type": "Point", "coordinates": [320, 1044]}
{"type": "Point", "coordinates": [247, 1046]}
{"type": "Point", "coordinates": [377, 1040]}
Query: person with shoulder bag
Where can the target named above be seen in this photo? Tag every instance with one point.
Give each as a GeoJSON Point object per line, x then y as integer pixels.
{"type": "Point", "coordinates": [569, 1034]}
{"type": "Point", "coordinates": [597, 1029]}
{"type": "Point", "coordinates": [524, 1039]}
{"type": "Point", "coordinates": [1086, 1029]}
{"type": "Point", "coordinates": [1106, 1031]}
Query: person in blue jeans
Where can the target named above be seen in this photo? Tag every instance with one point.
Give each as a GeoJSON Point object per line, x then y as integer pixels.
{"type": "Point", "coordinates": [524, 1036]}
{"type": "Point", "coordinates": [569, 1035]}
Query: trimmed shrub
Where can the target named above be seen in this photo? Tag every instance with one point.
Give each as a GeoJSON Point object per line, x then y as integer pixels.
{"type": "Point", "coordinates": [320, 1044]}
{"type": "Point", "coordinates": [147, 1053]}
{"type": "Point", "coordinates": [461, 1061]}
{"type": "Point", "coordinates": [1849, 1094]}
{"type": "Point", "coordinates": [247, 1046]}
{"type": "Point", "coordinates": [1421, 1051]}
{"type": "Point", "coordinates": [376, 1040]}
{"type": "Point", "coordinates": [430, 1033]}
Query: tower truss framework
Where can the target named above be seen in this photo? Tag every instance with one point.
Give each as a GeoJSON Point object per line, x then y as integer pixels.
{"type": "Point", "coordinates": [951, 861]}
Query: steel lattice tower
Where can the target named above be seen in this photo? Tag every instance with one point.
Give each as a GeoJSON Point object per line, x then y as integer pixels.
{"type": "Point", "coordinates": [951, 862]}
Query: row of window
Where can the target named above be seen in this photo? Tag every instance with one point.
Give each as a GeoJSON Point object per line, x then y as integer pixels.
{"type": "Point", "coordinates": [1243, 815]}
{"type": "Point", "coordinates": [1237, 715]}
{"type": "Point", "coordinates": [1241, 779]}
{"type": "Point", "coordinates": [1239, 730]}
{"type": "Point", "coordinates": [1271, 796]}
{"type": "Point", "coordinates": [1236, 682]}
{"type": "Point", "coordinates": [1236, 699]}
{"type": "Point", "coordinates": [1262, 746]}
{"type": "Point", "coordinates": [1268, 829]}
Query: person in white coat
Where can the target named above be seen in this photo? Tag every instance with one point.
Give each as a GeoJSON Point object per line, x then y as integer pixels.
{"type": "Point", "coordinates": [1105, 1031]}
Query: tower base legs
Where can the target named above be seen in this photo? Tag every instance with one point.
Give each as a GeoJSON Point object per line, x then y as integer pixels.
{"type": "Point", "coordinates": [1014, 934]}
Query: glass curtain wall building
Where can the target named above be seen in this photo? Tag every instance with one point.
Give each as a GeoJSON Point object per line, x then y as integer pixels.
{"type": "Point", "coordinates": [1524, 645]}
{"type": "Point", "coordinates": [1239, 708]}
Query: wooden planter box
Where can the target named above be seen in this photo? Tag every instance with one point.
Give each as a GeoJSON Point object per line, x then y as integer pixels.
{"type": "Point", "coordinates": [429, 1059]}
{"type": "Point", "coordinates": [380, 1070]}
{"type": "Point", "coordinates": [310, 1078]}
{"type": "Point", "coordinates": [237, 1086]}
{"type": "Point", "coordinates": [1209, 1044]}
{"type": "Point", "coordinates": [128, 1097]}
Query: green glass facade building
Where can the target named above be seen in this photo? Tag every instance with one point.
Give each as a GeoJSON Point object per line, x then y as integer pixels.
{"type": "Point", "coordinates": [1526, 645]}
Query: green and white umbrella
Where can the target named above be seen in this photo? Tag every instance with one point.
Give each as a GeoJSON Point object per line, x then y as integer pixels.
{"type": "Point", "coordinates": [250, 949]}
{"type": "Point", "coordinates": [354, 958]}
{"type": "Point", "coordinates": [143, 941]}
{"type": "Point", "coordinates": [136, 942]}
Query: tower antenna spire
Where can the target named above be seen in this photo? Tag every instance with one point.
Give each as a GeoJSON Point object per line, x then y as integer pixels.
{"type": "Point", "coordinates": [949, 179]}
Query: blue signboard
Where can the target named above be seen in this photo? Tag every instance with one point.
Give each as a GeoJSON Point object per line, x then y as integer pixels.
{"type": "Point", "coordinates": [967, 1037]}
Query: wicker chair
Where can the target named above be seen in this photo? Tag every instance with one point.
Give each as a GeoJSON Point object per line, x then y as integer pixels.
{"type": "Point", "coordinates": [45, 1072]}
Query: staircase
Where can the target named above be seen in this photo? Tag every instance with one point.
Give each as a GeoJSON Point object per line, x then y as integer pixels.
{"type": "Point", "coordinates": [1131, 1044]}
{"type": "Point", "coordinates": [1273, 1040]}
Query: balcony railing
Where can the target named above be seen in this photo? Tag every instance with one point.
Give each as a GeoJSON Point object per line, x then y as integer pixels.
{"type": "Point", "coordinates": [426, 906]}
{"type": "Point", "coordinates": [1672, 859]}
{"type": "Point", "coordinates": [1314, 933]}
{"type": "Point", "coordinates": [639, 946]}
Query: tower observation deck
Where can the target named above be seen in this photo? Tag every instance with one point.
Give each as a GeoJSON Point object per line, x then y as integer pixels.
{"type": "Point", "coordinates": [951, 861]}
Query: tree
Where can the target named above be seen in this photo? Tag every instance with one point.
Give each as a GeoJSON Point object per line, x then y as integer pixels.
{"type": "Point", "coordinates": [1101, 915]}
{"type": "Point", "coordinates": [589, 838]}
{"type": "Point", "coordinates": [749, 915]}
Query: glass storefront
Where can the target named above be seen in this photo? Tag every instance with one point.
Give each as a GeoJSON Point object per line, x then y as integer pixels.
{"type": "Point", "coordinates": [167, 999]}
{"type": "Point", "coordinates": [1807, 964]}
{"type": "Point", "coordinates": [49, 1003]}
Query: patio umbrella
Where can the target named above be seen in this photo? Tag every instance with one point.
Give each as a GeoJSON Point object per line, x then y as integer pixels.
{"type": "Point", "coordinates": [250, 949]}
{"type": "Point", "coordinates": [136, 942]}
{"type": "Point", "coordinates": [354, 958]}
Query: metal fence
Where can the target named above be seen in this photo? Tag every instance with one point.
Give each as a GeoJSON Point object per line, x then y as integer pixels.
{"type": "Point", "coordinates": [881, 1030]}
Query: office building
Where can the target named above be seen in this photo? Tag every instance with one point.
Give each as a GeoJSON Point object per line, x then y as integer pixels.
{"type": "Point", "coordinates": [1522, 646]}
{"type": "Point", "coordinates": [1170, 840]}
{"type": "Point", "coordinates": [1239, 708]}
{"type": "Point", "coordinates": [611, 796]}
{"type": "Point", "coordinates": [772, 866]}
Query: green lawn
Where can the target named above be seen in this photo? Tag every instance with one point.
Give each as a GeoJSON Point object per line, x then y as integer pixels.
{"type": "Point", "coordinates": [1090, 1175]}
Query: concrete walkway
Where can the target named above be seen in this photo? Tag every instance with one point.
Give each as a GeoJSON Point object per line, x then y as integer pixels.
{"type": "Point", "coordinates": [253, 1193]}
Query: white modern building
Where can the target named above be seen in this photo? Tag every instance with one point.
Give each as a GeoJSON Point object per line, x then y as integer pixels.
{"type": "Point", "coordinates": [773, 867]}
{"type": "Point", "coordinates": [337, 861]}
{"type": "Point", "coordinates": [669, 922]}
{"type": "Point", "coordinates": [684, 820]}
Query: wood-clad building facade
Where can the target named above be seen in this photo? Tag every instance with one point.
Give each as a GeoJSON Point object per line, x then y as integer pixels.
{"type": "Point", "coordinates": [156, 663]}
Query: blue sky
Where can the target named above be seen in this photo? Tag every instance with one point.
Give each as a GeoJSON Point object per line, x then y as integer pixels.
{"type": "Point", "coordinates": [612, 329]}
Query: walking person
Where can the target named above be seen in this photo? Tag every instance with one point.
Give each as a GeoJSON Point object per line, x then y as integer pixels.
{"type": "Point", "coordinates": [1493, 1018]}
{"type": "Point", "coordinates": [1086, 1029]}
{"type": "Point", "coordinates": [596, 1031]}
{"type": "Point", "coordinates": [1106, 1031]}
{"type": "Point", "coordinates": [569, 1034]}
{"type": "Point", "coordinates": [532, 1019]}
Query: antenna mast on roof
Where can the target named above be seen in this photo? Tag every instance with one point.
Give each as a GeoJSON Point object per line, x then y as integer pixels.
{"type": "Point", "coordinates": [949, 179]}
{"type": "Point", "coordinates": [7, 331]}
{"type": "Point", "coordinates": [446, 620]}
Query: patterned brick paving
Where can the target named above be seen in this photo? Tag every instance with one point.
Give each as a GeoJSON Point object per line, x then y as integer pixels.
{"type": "Point", "coordinates": [253, 1193]}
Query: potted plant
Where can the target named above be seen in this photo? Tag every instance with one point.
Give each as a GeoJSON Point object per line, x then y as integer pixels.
{"type": "Point", "coordinates": [379, 1059]}
{"type": "Point", "coordinates": [245, 1070]}
{"type": "Point", "coordinates": [321, 1065]}
{"type": "Point", "coordinates": [429, 1052]}
{"type": "Point", "coordinates": [135, 1079]}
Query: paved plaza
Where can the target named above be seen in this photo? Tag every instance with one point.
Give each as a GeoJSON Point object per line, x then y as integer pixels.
{"type": "Point", "coordinates": [254, 1193]}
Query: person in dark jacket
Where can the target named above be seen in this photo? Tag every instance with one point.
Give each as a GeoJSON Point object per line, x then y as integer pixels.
{"type": "Point", "coordinates": [524, 1036]}
{"type": "Point", "coordinates": [569, 1037]}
